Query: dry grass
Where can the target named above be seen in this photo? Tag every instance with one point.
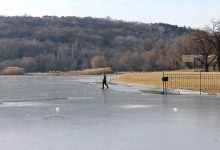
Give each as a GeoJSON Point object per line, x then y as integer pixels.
{"type": "Point", "coordinates": [13, 71]}
{"type": "Point", "coordinates": [189, 80]}
{"type": "Point", "coordinates": [146, 78]}
{"type": "Point", "coordinates": [91, 71]}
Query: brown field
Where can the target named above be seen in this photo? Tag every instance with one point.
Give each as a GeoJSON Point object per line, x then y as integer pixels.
{"type": "Point", "coordinates": [210, 82]}
{"type": "Point", "coordinates": [97, 71]}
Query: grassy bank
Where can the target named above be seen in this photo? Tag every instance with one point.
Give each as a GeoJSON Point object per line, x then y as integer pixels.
{"type": "Point", "coordinates": [189, 80]}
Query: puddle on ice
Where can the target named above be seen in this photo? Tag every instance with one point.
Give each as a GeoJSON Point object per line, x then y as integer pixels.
{"type": "Point", "coordinates": [136, 106]}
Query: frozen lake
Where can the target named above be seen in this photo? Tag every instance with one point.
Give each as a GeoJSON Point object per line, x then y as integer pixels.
{"type": "Point", "coordinates": [62, 113]}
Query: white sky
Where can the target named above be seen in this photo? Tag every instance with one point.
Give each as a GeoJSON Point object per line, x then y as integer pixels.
{"type": "Point", "coordinates": [193, 13]}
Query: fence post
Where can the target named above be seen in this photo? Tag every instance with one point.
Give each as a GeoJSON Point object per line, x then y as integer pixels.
{"type": "Point", "coordinates": [200, 82]}
{"type": "Point", "coordinates": [163, 85]}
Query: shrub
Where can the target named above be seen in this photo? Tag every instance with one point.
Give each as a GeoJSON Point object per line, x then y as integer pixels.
{"type": "Point", "coordinates": [91, 71]}
{"type": "Point", "coordinates": [13, 71]}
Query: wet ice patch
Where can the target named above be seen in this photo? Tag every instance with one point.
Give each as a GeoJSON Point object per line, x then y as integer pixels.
{"type": "Point", "coordinates": [80, 98]}
{"type": "Point", "coordinates": [54, 117]}
{"type": "Point", "coordinates": [186, 92]}
{"type": "Point", "coordinates": [19, 104]}
{"type": "Point", "coordinates": [88, 79]}
{"type": "Point", "coordinates": [136, 106]}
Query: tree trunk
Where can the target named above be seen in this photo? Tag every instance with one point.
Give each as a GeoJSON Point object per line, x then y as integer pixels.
{"type": "Point", "coordinates": [206, 68]}
{"type": "Point", "coordinates": [218, 60]}
{"type": "Point", "coordinates": [214, 66]}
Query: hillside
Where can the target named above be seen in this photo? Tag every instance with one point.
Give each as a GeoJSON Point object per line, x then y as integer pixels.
{"type": "Point", "coordinates": [72, 43]}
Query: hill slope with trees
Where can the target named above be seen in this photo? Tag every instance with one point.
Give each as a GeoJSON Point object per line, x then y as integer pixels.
{"type": "Point", "coordinates": [53, 43]}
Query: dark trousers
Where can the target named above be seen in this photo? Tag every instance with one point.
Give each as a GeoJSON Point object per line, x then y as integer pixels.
{"type": "Point", "coordinates": [104, 83]}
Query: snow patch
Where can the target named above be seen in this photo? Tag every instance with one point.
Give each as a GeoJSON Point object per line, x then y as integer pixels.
{"type": "Point", "coordinates": [136, 106]}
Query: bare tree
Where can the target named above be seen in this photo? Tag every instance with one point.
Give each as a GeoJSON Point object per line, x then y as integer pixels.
{"type": "Point", "coordinates": [202, 48]}
{"type": "Point", "coordinates": [172, 58]}
{"type": "Point", "coordinates": [213, 36]}
{"type": "Point", "coordinates": [183, 46]}
{"type": "Point", "coordinates": [98, 61]}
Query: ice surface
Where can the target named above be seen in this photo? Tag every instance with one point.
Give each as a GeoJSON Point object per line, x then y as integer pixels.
{"type": "Point", "coordinates": [90, 118]}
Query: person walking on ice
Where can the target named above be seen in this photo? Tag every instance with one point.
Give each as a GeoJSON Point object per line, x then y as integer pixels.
{"type": "Point", "coordinates": [104, 81]}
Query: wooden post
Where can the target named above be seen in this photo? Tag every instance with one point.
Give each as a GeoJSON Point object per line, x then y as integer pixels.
{"type": "Point", "coordinates": [200, 83]}
{"type": "Point", "coordinates": [163, 85]}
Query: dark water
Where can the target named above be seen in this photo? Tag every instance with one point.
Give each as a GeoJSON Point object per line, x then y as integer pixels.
{"type": "Point", "coordinates": [54, 113]}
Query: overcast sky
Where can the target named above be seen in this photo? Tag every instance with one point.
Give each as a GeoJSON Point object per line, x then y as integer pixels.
{"type": "Point", "coordinates": [193, 13]}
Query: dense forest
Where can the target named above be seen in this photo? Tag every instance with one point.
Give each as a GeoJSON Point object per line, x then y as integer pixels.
{"type": "Point", "coordinates": [51, 43]}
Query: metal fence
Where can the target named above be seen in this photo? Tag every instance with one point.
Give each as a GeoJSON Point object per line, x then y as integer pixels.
{"type": "Point", "coordinates": [202, 82]}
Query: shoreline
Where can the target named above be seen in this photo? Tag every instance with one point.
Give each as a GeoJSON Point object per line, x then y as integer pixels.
{"type": "Point", "coordinates": [153, 80]}
{"type": "Point", "coordinates": [146, 82]}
